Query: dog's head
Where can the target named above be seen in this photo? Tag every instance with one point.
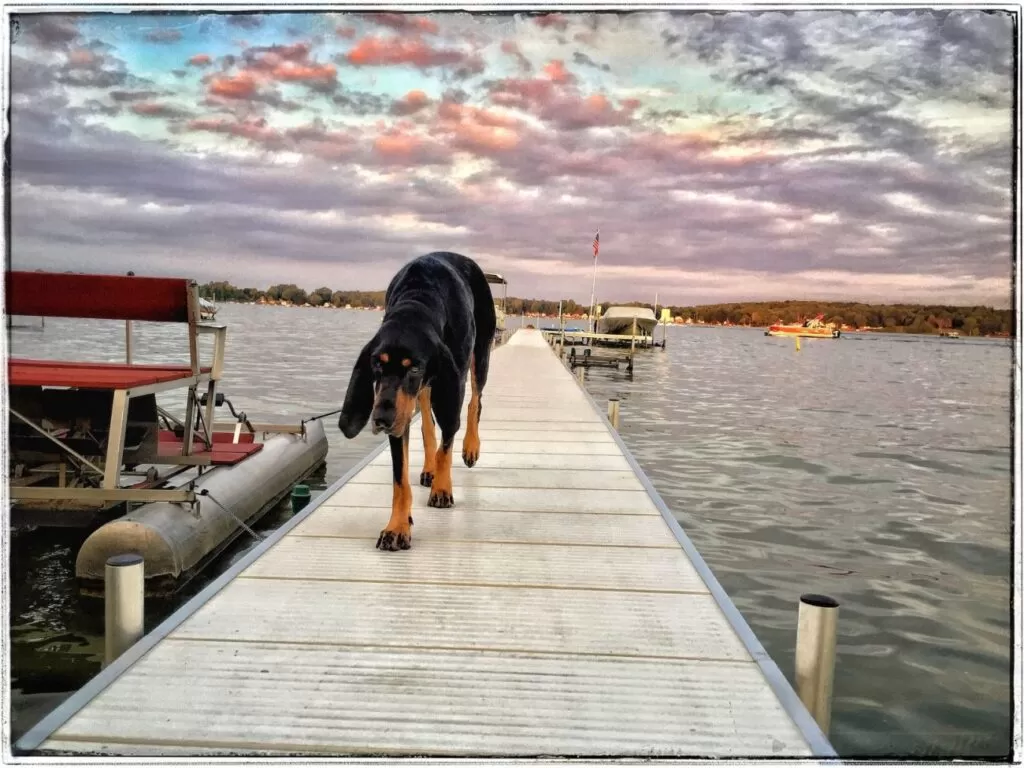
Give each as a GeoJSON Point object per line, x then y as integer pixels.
{"type": "Point", "coordinates": [386, 379]}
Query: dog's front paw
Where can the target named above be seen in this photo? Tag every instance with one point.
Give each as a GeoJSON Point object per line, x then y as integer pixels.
{"type": "Point", "coordinates": [392, 541]}
{"type": "Point", "coordinates": [470, 450]}
{"type": "Point", "coordinates": [441, 498]}
{"type": "Point", "coordinates": [426, 479]}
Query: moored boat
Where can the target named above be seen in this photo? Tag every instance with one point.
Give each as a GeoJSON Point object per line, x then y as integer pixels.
{"type": "Point", "coordinates": [207, 309]}
{"type": "Point", "coordinates": [813, 328]}
{"type": "Point", "coordinates": [91, 445]}
{"type": "Point", "coordinates": [619, 320]}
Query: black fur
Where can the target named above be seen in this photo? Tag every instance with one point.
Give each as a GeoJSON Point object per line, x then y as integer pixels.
{"type": "Point", "coordinates": [438, 314]}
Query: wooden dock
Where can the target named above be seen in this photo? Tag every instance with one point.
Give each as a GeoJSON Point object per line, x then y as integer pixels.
{"type": "Point", "coordinates": [557, 609]}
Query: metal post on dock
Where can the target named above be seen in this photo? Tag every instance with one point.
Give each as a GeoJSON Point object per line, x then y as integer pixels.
{"type": "Point", "coordinates": [816, 655]}
{"type": "Point", "coordinates": [613, 412]}
{"type": "Point", "coordinates": [124, 609]}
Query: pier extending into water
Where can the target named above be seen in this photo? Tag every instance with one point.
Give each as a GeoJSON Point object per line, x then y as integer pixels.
{"type": "Point", "coordinates": [557, 609]}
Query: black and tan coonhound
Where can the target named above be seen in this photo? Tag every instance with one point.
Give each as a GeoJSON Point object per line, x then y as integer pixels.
{"type": "Point", "coordinates": [438, 326]}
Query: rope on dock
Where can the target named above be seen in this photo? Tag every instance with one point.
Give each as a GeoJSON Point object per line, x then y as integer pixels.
{"type": "Point", "coordinates": [206, 492]}
{"type": "Point", "coordinates": [320, 416]}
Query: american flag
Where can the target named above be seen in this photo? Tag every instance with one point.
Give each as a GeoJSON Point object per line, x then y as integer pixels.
{"type": "Point", "coordinates": [597, 243]}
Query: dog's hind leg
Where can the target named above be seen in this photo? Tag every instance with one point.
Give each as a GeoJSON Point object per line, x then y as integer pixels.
{"type": "Point", "coordinates": [478, 366]}
{"type": "Point", "coordinates": [398, 533]}
{"type": "Point", "coordinates": [429, 438]}
{"type": "Point", "coordinates": [484, 323]}
{"type": "Point", "coordinates": [471, 442]}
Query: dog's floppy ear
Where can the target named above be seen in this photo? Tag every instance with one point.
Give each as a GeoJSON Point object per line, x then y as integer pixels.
{"type": "Point", "coordinates": [359, 398]}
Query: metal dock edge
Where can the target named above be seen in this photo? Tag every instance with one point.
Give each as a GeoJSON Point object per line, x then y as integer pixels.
{"type": "Point", "coordinates": [787, 696]}
{"type": "Point", "coordinates": [31, 740]}
{"type": "Point", "coordinates": [548, 614]}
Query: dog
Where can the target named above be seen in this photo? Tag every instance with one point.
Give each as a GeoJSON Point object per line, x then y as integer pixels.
{"type": "Point", "coordinates": [438, 328]}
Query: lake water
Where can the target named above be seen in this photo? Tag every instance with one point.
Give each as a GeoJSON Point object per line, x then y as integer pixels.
{"type": "Point", "coordinates": [874, 468]}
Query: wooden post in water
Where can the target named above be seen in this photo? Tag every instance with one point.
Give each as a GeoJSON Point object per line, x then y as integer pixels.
{"type": "Point", "coordinates": [816, 655]}
{"type": "Point", "coordinates": [613, 412]}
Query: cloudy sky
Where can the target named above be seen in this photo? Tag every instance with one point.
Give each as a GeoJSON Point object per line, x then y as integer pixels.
{"type": "Point", "coordinates": [822, 154]}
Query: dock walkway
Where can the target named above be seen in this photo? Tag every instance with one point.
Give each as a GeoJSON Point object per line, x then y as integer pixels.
{"type": "Point", "coordinates": [557, 609]}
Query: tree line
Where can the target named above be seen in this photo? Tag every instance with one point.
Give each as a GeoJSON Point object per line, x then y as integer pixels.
{"type": "Point", "coordinates": [898, 318]}
{"type": "Point", "coordinates": [224, 291]}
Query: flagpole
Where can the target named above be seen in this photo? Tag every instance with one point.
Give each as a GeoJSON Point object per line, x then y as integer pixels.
{"type": "Point", "coordinates": [593, 287]}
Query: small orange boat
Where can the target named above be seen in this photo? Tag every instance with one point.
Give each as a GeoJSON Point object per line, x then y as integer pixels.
{"type": "Point", "coordinates": [813, 328]}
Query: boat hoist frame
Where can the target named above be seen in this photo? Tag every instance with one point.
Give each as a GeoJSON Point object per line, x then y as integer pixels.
{"type": "Point", "coordinates": [493, 278]}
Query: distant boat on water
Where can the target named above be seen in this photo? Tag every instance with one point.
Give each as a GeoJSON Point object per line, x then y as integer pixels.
{"type": "Point", "coordinates": [813, 328]}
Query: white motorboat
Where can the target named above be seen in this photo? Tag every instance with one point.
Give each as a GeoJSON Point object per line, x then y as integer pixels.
{"type": "Point", "coordinates": [619, 320]}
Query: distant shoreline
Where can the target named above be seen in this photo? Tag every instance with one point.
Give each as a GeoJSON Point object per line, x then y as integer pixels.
{"type": "Point", "coordinates": [577, 319]}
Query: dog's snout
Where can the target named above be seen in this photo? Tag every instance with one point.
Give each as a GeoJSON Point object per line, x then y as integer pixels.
{"type": "Point", "coordinates": [384, 416]}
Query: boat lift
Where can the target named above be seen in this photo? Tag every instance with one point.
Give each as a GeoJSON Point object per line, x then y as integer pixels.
{"type": "Point", "coordinates": [493, 278]}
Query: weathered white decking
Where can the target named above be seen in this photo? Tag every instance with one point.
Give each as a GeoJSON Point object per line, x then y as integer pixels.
{"type": "Point", "coordinates": [553, 611]}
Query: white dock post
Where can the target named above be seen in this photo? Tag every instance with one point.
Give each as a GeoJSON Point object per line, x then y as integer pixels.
{"type": "Point", "coordinates": [124, 598]}
{"type": "Point", "coordinates": [613, 412]}
{"type": "Point", "coordinates": [816, 655]}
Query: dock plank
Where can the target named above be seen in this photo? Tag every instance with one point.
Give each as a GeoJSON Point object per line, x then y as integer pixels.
{"type": "Point", "coordinates": [357, 494]}
{"type": "Point", "coordinates": [457, 524]}
{"type": "Point", "coordinates": [481, 564]}
{"type": "Point", "coordinates": [552, 611]}
{"type": "Point", "coordinates": [366, 701]}
{"type": "Point", "coordinates": [510, 618]}
{"type": "Point", "coordinates": [493, 477]}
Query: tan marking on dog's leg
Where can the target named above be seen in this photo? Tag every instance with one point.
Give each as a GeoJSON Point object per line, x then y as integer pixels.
{"type": "Point", "coordinates": [441, 489]}
{"type": "Point", "coordinates": [471, 442]}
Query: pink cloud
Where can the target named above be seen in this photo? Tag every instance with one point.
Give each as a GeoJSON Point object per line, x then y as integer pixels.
{"type": "Point", "coordinates": [412, 102]}
{"type": "Point", "coordinates": [243, 85]}
{"type": "Point", "coordinates": [557, 73]}
{"type": "Point", "coordinates": [375, 51]}
{"type": "Point", "coordinates": [404, 22]}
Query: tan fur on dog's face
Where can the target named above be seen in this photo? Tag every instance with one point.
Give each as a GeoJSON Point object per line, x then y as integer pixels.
{"type": "Point", "coordinates": [398, 379]}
